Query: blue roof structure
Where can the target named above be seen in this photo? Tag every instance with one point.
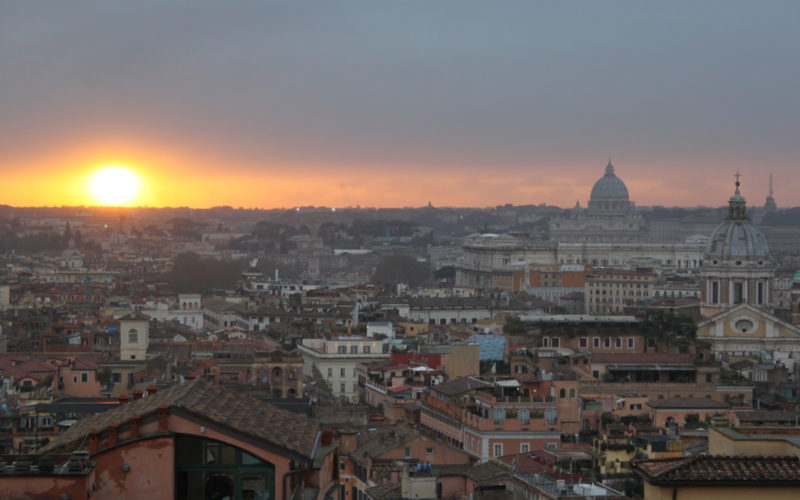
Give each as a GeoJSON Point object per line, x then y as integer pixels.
{"type": "Point", "coordinates": [493, 347]}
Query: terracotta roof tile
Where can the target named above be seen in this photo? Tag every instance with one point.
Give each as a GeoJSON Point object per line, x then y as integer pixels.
{"type": "Point", "coordinates": [232, 409]}
{"type": "Point", "coordinates": [704, 468]}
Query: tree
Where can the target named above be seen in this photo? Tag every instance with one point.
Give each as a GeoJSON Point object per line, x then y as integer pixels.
{"type": "Point", "coordinates": [190, 273]}
{"type": "Point", "coordinates": [396, 269]}
{"type": "Point", "coordinates": [445, 273]}
{"type": "Point", "coordinates": [691, 418]}
{"type": "Point", "coordinates": [513, 326]}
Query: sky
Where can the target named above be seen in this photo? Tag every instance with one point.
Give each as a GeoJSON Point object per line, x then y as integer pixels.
{"type": "Point", "coordinates": [389, 104]}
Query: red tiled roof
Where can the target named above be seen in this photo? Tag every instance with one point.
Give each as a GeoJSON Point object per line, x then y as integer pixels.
{"type": "Point", "coordinates": [399, 388]}
{"type": "Point", "coordinates": [705, 469]}
{"type": "Point", "coordinates": [432, 360]}
{"type": "Point", "coordinates": [232, 409]}
{"type": "Point", "coordinates": [655, 357]}
{"type": "Point", "coordinates": [83, 364]}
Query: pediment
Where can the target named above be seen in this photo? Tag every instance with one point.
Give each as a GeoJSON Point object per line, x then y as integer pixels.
{"type": "Point", "coordinates": [745, 320]}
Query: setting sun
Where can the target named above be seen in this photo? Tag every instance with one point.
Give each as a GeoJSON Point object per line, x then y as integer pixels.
{"type": "Point", "coordinates": [114, 186]}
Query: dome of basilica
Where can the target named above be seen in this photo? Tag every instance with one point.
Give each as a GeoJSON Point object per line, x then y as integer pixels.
{"type": "Point", "coordinates": [737, 237]}
{"type": "Point", "coordinates": [609, 187]}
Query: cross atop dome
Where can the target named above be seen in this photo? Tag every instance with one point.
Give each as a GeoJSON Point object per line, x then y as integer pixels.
{"type": "Point", "coordinates": [736, 205]}
{"type": "Point", "coordinates": [609, 168]}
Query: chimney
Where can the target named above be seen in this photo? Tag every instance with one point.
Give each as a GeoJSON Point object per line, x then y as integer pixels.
{"type": "Point", "coordinates": [123, 399]}
{"type": "Point", "coordinates": [113, 435]}
{"type": "Point", "coordinates": [162, 418]}
{"type": "Point", "coordinates": [327, 437]}
{"type": "Point", "coordinates": [93, 437]}
{"type": "Point", "coordinates": [151, 389]}
{"type": "Point", "coordinates": [136, 422]}
{"type": "Point", "coordinates": [137, 394]}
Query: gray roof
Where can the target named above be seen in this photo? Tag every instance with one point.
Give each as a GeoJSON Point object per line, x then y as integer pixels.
{"type": "Point", "coordinates": [737, 239]}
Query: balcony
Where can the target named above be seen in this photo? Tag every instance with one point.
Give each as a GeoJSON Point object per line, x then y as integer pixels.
{"type": "Point", "coordinates": [536, 422]}
{"type": "Point", "coordinates": [496, 399]}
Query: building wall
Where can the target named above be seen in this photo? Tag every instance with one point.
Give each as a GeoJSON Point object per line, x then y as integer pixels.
{"type": "Point", "coordinates": [71, 382]}
{"type": "Point", "coordinates": [133, 350]}
{"type": "Point", "coordinates": [35, 488]}
{"type": "Point", "coordinates": [151, 464]}
{"type": "Point", "coordinates": [722, 444]}
{"type": "Point", "coordinates": [462, 361]}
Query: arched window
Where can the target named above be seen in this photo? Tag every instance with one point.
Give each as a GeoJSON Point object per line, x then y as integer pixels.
{"type": "Point", "coordinates": [572, 393]}
{"type": "Point", "coordinates": [133, 336]}
{"type": "Point", "coordinates": [562, 393]}
{"type": "Point", "coordinates": [206, 468]}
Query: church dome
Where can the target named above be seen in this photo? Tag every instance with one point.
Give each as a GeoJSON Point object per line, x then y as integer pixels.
{"type": "Point", "coordinates": [609, 187]}
{"type": "Point", "coordinates": [737, 237]}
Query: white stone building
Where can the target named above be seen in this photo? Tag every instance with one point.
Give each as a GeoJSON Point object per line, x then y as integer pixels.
{"type": "Point", "coordinates": [335, 360]}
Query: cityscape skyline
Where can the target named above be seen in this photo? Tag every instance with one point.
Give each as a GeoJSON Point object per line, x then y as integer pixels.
{"type": "Point", "coordinates": [389, 105]}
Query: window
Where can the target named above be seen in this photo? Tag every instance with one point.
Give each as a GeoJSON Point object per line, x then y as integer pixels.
{"type": "Point", "coordinates": [760, 292]}
{"type": "Point", "coordinates": [84, 377]}
{"type": "Point", "coordinates": [545, 341]}
{"type": "Point", "coordinates": [583, 342]}
{"type": "Point", "coordinates": [205, 468]}
{"type": "Point", "coordinates": [715, 292]}
{"type": "Point", "coordinates": [550, 446]}
{"type": "Point", "coordinates": [342, 388]}
{"type": "Point", "coordinates": [342, 372]}
{"type": "Point", "coordinates": [630, 342]}
{"type": "Point", "coordinates": [618, 342]}
{"type": "Point", "coordinates": [524, 447]}
{"type": "Point", "coordinates": [342, 349]}
{"type": "Point", "coordinates": [607, 343]}
{"type": "Point", "coordinates": [572, 393]}
{"type": "Point", "coordinates": [498, 449]}
{"type": "Point", "coordinates": [738, 292]}
{"type": "Point", "coordinates": [556, 342]}
{"type": "Point", "coordinates": [353, 349]}
{"type": "Point", "coordinates": [651, 342]}
{"type": "Point", "coordinates": [330, 372]}
{"type": "Point", "coordinates": [596, 342]}
{"type": "Point", "coordinates": [133, 336]}
{"type": "Point", "coordinates": [429, 451]}
{"type": "Point", "coordinates": [365, 350]}
{"type": "Point", "coordinates": [408, 452]}
{"type": "Point", "coordinates": [116, 377]}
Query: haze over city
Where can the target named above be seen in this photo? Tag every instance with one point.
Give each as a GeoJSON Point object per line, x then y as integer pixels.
{"type": "Point", "coordinates": [388, 104]}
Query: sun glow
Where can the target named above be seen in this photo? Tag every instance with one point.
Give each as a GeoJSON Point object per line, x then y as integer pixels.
{"type": "Point", "coordinates": [114, 185]}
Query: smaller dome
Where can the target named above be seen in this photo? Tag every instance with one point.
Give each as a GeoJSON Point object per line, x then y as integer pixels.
{"type": "Point", "coordinates": [737, 239]}
{"type": "Point", "coordinates": [609, 187]}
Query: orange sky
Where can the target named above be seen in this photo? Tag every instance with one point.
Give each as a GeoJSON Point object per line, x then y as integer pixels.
{"type": "Point", "coordinates": [172, 180]}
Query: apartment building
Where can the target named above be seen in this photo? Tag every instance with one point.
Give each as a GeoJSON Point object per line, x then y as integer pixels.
{"type": "Point", "coordinates": [494, 418]}
{"type": "Point", "coordinates": [609, 291]}
{"type": "Point", "coordinates": [336, 361]}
